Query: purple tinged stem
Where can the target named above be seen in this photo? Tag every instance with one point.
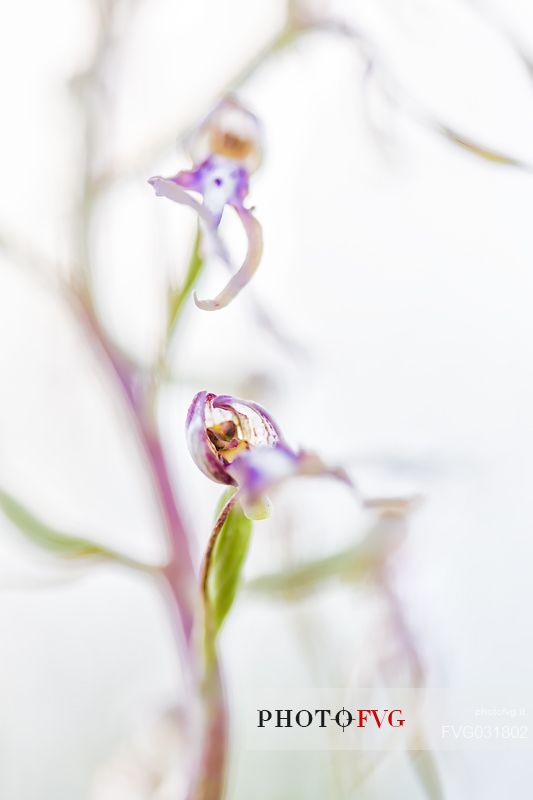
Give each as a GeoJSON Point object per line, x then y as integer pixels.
{"type": "Point", "coordinates": [211, 771]}
{"type": "Point", "coordinates": [208, 780]}
{"type": "Point", "coordinates": [180, 571]}
{"type": "Point", "coordinates": [209, 777]}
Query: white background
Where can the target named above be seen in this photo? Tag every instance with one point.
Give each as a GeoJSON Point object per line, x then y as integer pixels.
{"type": "Point", "coordinates": [403, 266]}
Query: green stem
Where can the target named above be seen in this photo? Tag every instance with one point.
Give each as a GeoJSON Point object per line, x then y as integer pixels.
{"type": "Point", "coordinates": [211, 773]}
{"type": "Point", "coordinates": [209, 783]}
{"type": "Point", "coordinates": [177, 298]}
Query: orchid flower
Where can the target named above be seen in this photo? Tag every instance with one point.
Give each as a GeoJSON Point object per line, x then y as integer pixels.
{"type": "Point", "coordinates": [226, 149]}
{"type": "Point", "coordinates": [236, 442]}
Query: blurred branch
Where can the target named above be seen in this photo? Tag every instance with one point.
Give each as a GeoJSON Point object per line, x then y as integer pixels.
{"type": "Point", "coordinates": [29, 258]}
{"type": "Point", "coordinates": [397, 95]}
{"type": "Point", "coordinates": [420, 752]}
{"type": "Point", "coordinates": [489, 155]}
{"type": "Point", "coordinates": [134, 386]}
{"type": "Point", "coordinates": [400, 627]}
{"type": "Point", "coordinates": [471, 146]}
{"type": "Point", "coordinates": [491, 16]}
{"type": "Point", "coordinates": [63, 544]}
{"type": "Point", "coordinates": [73, 292]}
{"type": "Point", "coordinates": [34, 583]}
{"type": "Point", "coordinates": [150, 152]}
{"type": "Point", "coordinates": [140, 405]}
{"type": "Point", "coordinates": [91, 92]}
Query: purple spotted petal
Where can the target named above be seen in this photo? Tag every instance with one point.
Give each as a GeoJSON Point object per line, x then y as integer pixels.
{"type": "Point", "coordinates": [200, 447]}
{"type": "Point", "coordinates": [190, 178]}
{"type": "Point", "coordinates": [251, 262]}
{"type": "Point", "coordinates": [221, 182]}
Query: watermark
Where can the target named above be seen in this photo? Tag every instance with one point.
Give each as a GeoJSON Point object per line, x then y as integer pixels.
{"type": "Point", "coordinates": [486, 732]}
{"type": "Point", "coordinates": [384, 719]}
{"type": "Point", "coordinates": [304, 717]}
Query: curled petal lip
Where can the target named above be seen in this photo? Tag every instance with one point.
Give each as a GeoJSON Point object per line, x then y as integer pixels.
{"type": "Point", "coordinates": [232, 190]}
{"type": "Point", "coordinates": [242, 277]}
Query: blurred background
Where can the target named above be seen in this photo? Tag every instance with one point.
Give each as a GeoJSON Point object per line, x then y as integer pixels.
{"type": "Point", "coordinates": [396, 198]}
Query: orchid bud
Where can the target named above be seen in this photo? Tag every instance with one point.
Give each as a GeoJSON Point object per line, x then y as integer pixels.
{"type": "Point", "coordinates": [237, 443]}
{"type": "Point", "coordinates": [226, 149]}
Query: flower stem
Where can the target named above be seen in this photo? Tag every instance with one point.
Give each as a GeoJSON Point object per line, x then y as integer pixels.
{"type": "Point", "coordinates": [178, 298]}
{"type": "Point", "coordinates": [180, 571]}
{"type": "Point", "coordinates": [210, 778]}
{"type": "Point", "coordinates": [211, 771]}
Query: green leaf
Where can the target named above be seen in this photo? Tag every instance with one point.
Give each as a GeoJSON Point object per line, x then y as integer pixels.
{"type": "Point", "coordinates": [481, 151]}
{"type": "Point", "coordinates": [56, 542]}
{"type": "Point", "coordinates": [228, 558]}
{"type": "Point", "coordinates": [426, 771]}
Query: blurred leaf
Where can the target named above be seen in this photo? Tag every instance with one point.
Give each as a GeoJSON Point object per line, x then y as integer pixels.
{"type": "Point", "coordinates": [353, 563]}
{"type": "Point", "coordinates": [62, 544]}
{"type": "Point", "coordinates": [228, 558]}
{"type": "Point", "coordinates": [479, 150]}
{"type": "Point", "coordinates": [425, 768]}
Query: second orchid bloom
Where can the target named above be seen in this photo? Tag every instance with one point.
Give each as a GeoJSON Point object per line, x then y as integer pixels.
{"type": "Point", "coordinates": [225, 150]}
{"type": "Point", "coordinates": [237, 443]}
